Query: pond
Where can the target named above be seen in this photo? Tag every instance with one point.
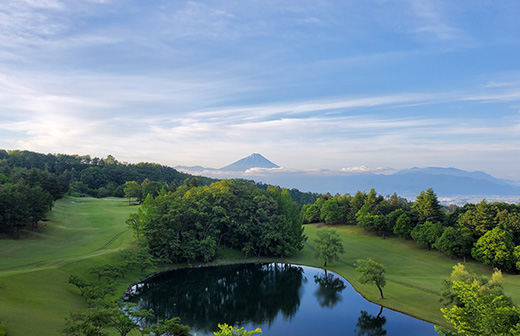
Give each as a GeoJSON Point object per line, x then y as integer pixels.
{"type": "Point", "coordinates": [281, 299]}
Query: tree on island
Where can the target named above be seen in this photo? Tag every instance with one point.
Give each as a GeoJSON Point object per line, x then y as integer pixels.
{"type": "Point", "coordinates": [371, 273]}
{"type": "Point", "coordinates": [329, 245]}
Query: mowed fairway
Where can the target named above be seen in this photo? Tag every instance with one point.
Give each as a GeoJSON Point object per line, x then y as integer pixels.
{"type": "Point", "coordinates": [414, 275]}
{"type": "Point", "coordinates": [81, 233]}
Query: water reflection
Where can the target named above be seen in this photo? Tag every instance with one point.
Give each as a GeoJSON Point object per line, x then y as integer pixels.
{"type": "Point", "coordinates": [330, 287]}
{"type": "Point", "coordinates": [275, 297]}
{"type": "Point", "coordinates": [234, 294]}
{"type": "Point", "coordinates": [370, 325]}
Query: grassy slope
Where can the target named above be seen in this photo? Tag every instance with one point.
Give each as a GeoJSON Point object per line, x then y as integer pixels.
{"type": "Point", "coordinates": [82, 233]}
{"type": "Point", "coordinates": [414, 276]}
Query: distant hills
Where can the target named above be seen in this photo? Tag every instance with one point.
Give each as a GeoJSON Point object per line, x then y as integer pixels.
{"type": "Point", "coordinates": [446, 182]}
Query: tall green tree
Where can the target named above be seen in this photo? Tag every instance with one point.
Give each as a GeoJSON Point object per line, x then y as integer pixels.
{"type": "Point", "coordinates": [372, 273]}
{"type": "Point", "coordinates": [404, 226]}
{"type": "Point", "coordinates": [329, 245]}
{"type": "Point", "coordinates": [427, 207]}
{"type": "Point", "coordinates": [480, 219]}
{"type": "Point", "coordinates": [425, 235]}
{"type": "Point", "coordinates": [509, 222]}
{"type": "Point", "coordinates": [311, 213]}
{"type": "Point", "coordinates": [336, 209]}
{"type": "Point", "coordinates": [15, 209]}
{"type": "Point", "coordinates": [132, 191]}
{"type": "Point", "coordinates": [495, 248]}
{"type": "Point", "coordinates": [455, 242]}
{"type": "Point", "coordinates": [390, 220]}
{"type": "Point", "coordinates": [365, 217]}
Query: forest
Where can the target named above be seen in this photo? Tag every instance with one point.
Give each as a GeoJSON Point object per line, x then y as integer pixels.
{"type": "Point", "coordinates": [192, 222]}
{"type": "Point", "coordinates": [488, 232]}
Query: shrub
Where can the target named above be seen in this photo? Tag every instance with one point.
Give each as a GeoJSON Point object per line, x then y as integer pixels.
{"type": "Point", "coordinates": [3, 330]}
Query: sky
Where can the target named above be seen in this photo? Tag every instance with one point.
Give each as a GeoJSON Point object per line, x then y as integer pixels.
{"type": "Point", "coordinates": [308, 84]}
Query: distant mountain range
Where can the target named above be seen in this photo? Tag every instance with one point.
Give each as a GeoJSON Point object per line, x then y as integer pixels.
{"type": "Point", "coordinates": [446, 182]}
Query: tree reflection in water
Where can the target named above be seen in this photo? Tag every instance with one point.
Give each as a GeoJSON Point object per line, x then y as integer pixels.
{"type": "Point", "coordinates": [330, 287]}
{"type": "Point", "coordinates": [234, 294]}
{"type": "Point", "coordinates": [370, 325]}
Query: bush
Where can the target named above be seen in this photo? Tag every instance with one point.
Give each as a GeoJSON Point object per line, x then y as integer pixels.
{"type": "Point", "coordinates": [3, 330]}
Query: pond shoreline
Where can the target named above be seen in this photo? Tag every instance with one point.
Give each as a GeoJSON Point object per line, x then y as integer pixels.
{"type": "Point", "coordinates": [131, 290]}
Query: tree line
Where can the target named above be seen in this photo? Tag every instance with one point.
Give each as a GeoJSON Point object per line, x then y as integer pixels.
{"type": "Point", "coordinates": [26, 195]}
{"type": "Point", "coordinates": [488, 232]}
{"type": "Point", "coordinates": [92, 176]}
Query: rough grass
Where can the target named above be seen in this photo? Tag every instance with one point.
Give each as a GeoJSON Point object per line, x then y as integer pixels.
{"type": "Point", "coordinates": [83, 232]}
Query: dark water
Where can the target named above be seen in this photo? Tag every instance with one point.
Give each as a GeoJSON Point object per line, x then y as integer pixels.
{"type": "Point", "coordinates": [281, 299]}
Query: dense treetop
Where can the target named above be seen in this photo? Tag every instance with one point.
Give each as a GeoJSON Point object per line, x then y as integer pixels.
{"type": "Point", "coordinates": [192, 222]}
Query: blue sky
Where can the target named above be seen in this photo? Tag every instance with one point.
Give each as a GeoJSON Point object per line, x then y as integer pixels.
{"type": "Point", "coordinates": [309, 84]}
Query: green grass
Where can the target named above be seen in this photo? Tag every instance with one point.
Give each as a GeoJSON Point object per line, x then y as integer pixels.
{"type": "Point", "coordinates": [80, 233]}
{"type": "Point", "coordinates": [414, 276]}
{"type": "Point", "coordinates": [83, 232]}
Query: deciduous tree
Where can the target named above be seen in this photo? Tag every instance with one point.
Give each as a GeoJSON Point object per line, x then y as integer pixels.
{"type": "Point", "coordinates": [426, 234]}
{"type": "Point", "coordinates": [404, 226]}
{"type": "Point", "coordinates": [495, 248]}
{"type": "Point", "coordinates": [328, 245]}
{"type": "Point", "coordinates": [479, 307]}
{"type": "Point", "coordinates": [372, 273]}
{"type": "Point", "coordinates": [455, 242]}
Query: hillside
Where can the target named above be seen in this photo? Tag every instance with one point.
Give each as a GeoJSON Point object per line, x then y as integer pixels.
{"type": "Point", "coordinates": [83, 233]}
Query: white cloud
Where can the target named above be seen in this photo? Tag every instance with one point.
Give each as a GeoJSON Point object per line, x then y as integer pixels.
{"type": "Point", "coordinates": [431, 20]}
{"type": "Point", "coordinates": [181, 82]}
{"type": "Point", "coordinates": [365, 169]}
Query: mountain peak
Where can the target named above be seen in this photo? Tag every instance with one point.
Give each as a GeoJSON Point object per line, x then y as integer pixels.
{"type": "Point", "coordinates": [255, 160]}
